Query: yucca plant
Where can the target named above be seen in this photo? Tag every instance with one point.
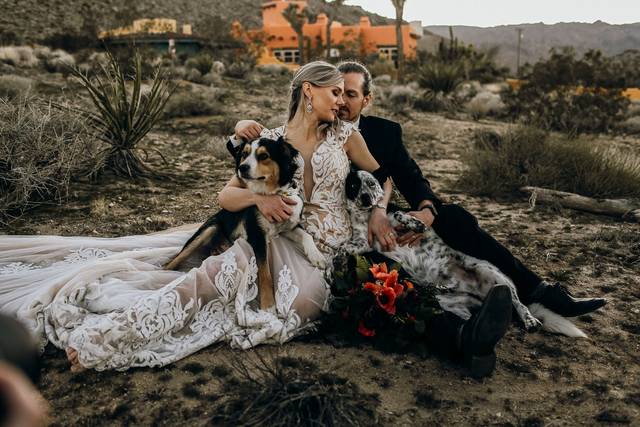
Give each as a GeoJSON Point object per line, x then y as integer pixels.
{"type": "Point", "coordinates": [441, 76]}
{"type": "Point", "coordinates": [121, 118]}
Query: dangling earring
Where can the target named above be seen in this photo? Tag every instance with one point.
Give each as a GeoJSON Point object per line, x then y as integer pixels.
{"type": "Point", "coordinates": [309, 107]}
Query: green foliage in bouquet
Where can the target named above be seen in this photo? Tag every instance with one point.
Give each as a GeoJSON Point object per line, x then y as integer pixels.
{"type": "Point", "coordinates": [373, 303]}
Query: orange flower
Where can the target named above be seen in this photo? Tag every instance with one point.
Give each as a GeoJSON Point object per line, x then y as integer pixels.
{"type": "Point", "coordinates": [408, 284]}
{"type": "Point", "coordinates": [379, 271]}
{"type": "Point", "coordinates": [391, 279]}
{"type": "Point", "coordinates": [373, 288]}
{"type": "Point", "coordinates": [363, 330]}
{"type": "Point", "coordinates": [387, 300]}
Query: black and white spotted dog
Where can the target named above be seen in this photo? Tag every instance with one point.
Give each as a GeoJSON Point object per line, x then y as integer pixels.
{"type": "Point", "coordinates": [463, 281]}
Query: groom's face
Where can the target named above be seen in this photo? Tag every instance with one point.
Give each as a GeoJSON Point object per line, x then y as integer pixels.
{"type": "Point", "coordinates": [354, 99]}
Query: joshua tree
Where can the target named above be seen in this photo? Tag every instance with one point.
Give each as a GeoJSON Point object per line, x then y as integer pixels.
{"type": "Point", "coordinates": [399, 6]}
{"type": "Point", "coordinates": [332, 13]}
{"type": "Point", "coordinates": [297, 19]}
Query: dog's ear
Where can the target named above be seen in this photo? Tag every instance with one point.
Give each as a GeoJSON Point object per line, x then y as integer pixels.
{"type": "Point", "coordinates": [239, 150]}
{"type": "Point", "coordinates": [287, 163]}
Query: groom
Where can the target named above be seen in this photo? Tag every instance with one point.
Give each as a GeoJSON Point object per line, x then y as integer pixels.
{"type": "Point", "coordinates": [449, 335]}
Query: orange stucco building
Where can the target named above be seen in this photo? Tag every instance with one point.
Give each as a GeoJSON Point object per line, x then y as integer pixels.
{"type": "Point", "coordinates": [281, 41]}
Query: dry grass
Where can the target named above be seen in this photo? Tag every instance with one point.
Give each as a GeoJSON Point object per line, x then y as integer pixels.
{"type": "Point", "coordinates": [41, 149]}
{"type": "Point", "coordinates": [12, 87]}
{"type": "Point", "coordinates": [528, 156]}
{"type": "Point", "coordinates": [288, 391]}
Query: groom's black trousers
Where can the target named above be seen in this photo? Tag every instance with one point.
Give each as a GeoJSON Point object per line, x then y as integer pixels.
{"type": "Point", "coordinates": [459, 229]}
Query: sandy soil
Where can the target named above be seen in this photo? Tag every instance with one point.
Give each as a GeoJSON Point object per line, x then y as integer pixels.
{"type": "Point", "coordinates": [541, 379]}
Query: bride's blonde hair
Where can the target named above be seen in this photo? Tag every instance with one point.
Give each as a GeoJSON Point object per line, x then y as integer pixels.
{"type": "Point", "coordinates": [318, 73]}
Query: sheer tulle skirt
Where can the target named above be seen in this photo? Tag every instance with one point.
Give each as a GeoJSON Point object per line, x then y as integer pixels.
{"type": "Point", "coordinates": [109, 298]}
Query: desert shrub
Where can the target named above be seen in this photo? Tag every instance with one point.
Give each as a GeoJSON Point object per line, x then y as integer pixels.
{"type": "Point", "coordinates": [218, 67]}
{"type": "Point", "coordinates": [238, 69]}
{"type": "Point", "coordinates": [59, 61]}
{"type": "Point", "coordinates": [630, 126]}
{"type": "Point", "coordinates": [484, 104]}
{"type": "Point", "coordinates": [211, 79]}
{"type": "Point", "coordinates": [41, 149]}
{"type": "Point", "coordinates": [194, 103]}
{"type": "Point", "coordinates": [287, 391]}
{"type": "Point", "coordinates": [273, 70]}
{"type": "Point", "coordinates": [570, 94]}
{"type": "Point", "coordinates": [382, 80]}
{"type": "Point", "coordinates": [400, 98]}
{"type": "Point", "coordinates": [529, 156]}
{"type": "Point", "coordinates": [121, 118]}
{"type": "Point", "coordinates": [441, 76]}
{"type": "Point", "coordinates": [19, 56]}
{"type": "Point", "coordinates": [202, 62]}
{"type": "Point", "coordinates": [435, 102]}
{"type": "Point", "coordinates": [567, 111]}
{"type": "Point", "coordinates": [12, 87]}
{"type": "Point", "coordinates": [380, 67]}
{"type": "Point", "coordinates": [193, 75]}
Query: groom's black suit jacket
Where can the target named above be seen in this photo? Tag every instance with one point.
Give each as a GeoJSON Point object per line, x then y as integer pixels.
{"type": "Point", "coordinates": [384, 140]}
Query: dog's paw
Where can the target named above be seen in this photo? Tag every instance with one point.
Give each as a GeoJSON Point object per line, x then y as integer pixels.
{"type": "Point", "coordinates": [409, 222]}
{"type": "Point", "coordinates": [531, 324]}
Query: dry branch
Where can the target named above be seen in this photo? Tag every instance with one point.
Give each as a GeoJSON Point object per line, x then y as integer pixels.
{"type": "Point", "coordinates": [627, 209]}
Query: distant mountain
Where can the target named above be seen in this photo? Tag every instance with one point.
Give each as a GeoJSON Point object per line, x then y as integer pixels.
{"type": "Point", "coordinates": [539, 38]}
{"type": "Point", "coordinates": [35, 20]}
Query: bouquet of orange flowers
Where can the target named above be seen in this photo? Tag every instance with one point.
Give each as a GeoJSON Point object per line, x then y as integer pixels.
{"type": "Point", "coordinates": [380, 304]}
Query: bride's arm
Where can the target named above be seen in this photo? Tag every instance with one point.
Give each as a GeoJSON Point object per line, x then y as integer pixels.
{"type": "Point", "coordinates": [379, 225]}
{"type": "Point", "coordinates": [234, 197]}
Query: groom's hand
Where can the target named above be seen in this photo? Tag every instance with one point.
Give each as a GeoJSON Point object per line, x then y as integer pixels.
{"type": "Point", "coordinates": [248, 130]}
{"type": "Point", "coordinates": [274, 207]}
{"type": "Point", "coordinates": [380, 229]}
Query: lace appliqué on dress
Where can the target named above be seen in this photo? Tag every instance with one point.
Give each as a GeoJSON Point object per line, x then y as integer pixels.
{"type": "Point", "coordinates": [16, 267]}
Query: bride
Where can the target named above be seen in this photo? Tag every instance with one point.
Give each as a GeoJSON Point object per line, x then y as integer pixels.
{"type": "Point", "coordinates": [109, 303]}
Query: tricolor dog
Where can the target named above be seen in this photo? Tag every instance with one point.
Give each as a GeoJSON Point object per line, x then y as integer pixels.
{"type": "Point", "coordinates": [265, 166]}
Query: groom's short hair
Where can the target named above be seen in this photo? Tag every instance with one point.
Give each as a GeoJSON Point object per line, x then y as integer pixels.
{"type": "Point", "coordinates": [356, 67]}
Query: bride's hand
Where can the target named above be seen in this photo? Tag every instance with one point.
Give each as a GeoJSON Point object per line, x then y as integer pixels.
{"type": "Point", "coordinates": [274, 207]}
{"type": "Point", "coordinates": [248, 129]}
{"type": "Point", "coordinates": [381, 229]}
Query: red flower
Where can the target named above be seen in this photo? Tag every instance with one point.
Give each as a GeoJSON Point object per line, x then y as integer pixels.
{"type": "Point", "coordinates": [387, 300]}
{"type": "Point", "coordinates": [373, 288]}
{"type": "Point", "coordinates": [379, 271]}
{"type": "Point", "coordinates": [365, 331]}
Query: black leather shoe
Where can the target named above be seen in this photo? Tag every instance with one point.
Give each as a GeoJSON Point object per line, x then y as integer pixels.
{"type": "Point", "coordinates": [558, 299]}
{"type": "Point", "coordinates": [479, 335]}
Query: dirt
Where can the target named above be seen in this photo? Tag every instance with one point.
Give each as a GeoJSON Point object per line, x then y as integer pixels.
{"type": "Point", "coordinates": [540, 380]}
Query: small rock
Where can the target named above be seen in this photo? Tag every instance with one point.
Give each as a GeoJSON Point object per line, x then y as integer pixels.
{"type": "Point", "coordinates": [165, 211]}
{"type": "Point", "coordinates": [148, 219]}
{"type": "Point", "coordinates": [206, 206]}
{"type": "Point", "coordinates": [111, 204]}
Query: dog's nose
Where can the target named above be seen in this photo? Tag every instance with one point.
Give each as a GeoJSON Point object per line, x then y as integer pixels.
{"type": "Point", "coordinates": [243, 168]}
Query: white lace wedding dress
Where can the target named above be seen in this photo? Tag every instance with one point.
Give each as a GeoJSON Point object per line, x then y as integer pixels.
{"type": "Point", "coordinates": [109, 298]}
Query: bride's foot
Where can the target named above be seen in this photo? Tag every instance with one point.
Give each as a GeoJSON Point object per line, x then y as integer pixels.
{"type": "Point", "coordinates": [72, 356]}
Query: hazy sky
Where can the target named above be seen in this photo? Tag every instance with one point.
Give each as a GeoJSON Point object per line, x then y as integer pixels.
{"type": "Point", "coordinates": [488, 13]}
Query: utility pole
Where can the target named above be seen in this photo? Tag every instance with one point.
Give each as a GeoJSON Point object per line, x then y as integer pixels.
{"type": "Point", "coordinates": [519, 31]}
